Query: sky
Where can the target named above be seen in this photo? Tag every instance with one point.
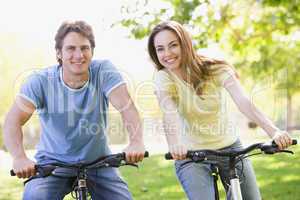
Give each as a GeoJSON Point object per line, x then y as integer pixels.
{"type": "Point", "coordinates": [36, 22]}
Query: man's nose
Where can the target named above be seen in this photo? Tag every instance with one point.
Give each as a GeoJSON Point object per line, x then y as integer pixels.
{"type": "Point", "coordinates": [78, 53]}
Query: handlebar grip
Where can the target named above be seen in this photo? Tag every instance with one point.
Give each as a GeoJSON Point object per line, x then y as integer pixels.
{"type": "Point", "coordinates": [168, 156]}
{"type": "Point", "coordinates": [146, 155]}
{"type": "Point", "coordinates": [12, 173]}
{"type": "Point", "coordinates": [294, 142]}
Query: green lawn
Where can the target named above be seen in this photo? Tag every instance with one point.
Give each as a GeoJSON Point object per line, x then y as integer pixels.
{"type": "Point", "coordinates": [278, 177]}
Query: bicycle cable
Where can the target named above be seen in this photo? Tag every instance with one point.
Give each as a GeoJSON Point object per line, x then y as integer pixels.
{"type": "Point", "coordinates": [253, 154]}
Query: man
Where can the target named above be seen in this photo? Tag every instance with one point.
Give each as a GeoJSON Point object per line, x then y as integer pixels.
{"type": "Point", "coordinates": [72, 100]}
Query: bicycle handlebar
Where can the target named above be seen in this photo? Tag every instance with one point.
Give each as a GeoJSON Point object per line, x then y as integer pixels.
{"type": "Point", "coordinates": [201, 154]}
{"type": "Point", "coordinates": [113, 160]}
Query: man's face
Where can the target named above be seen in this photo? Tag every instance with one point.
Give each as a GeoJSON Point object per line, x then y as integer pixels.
{"type": "Point", "coordinates": [75, 54]}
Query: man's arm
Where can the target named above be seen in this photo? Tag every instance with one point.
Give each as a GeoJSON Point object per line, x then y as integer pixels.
{"type": "Point", "coordinates": [18, 115]}
{"type": "Point", "coordinates": [121, 100]}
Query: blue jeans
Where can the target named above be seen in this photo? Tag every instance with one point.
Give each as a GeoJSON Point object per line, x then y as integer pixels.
{"type": "Point", "coordinates": [198, 183]}
{"type": "Point", "coordinates": [104, 184]}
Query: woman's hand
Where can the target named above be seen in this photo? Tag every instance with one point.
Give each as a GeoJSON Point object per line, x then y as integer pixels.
{"type": "Point", "coordinates": [282, 139]}
{"type": "Point", "coordinates": [178, 151]}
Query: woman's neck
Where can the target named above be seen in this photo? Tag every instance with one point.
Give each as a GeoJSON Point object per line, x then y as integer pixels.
{"type": "Point", "coordinates": [181, 74]}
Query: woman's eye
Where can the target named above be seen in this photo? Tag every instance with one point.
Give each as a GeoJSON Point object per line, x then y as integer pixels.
{"type": "Point", "coordinates": [159, 49]}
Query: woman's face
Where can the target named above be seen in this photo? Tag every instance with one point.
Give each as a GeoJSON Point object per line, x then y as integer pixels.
{"type": "Point", "coordinates": [168, 50]}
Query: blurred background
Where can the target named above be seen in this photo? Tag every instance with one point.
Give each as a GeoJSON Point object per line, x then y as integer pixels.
{"type": "Point", "coordinates": [261, 38]}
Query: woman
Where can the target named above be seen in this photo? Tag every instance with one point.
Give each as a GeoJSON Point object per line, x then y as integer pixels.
{"type": "Point", "coordinates": [191, 91]}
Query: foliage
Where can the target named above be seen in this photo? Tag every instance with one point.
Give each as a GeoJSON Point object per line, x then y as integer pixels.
{"type": "Point", "coordinates": [262, 37]}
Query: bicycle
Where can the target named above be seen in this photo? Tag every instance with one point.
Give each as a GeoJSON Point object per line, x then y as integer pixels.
{"type": "Point", "coordinates": [79, 171]}
{"type": "Point", "coordinates": [234, 156]}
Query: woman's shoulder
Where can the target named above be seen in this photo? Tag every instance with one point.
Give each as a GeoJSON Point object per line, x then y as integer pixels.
{"type": "Point", "coordinates": [221, 68]}
{"type": "Point", "coordinates": [222, 71]}
{"type": "Point", "coordinates": [162, 74]}
{"type": "Point", "coordinates": [163, 77]}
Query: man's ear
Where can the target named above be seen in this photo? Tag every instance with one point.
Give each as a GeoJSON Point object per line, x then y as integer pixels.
{"type": "Point", "coordinates": [58, 54]}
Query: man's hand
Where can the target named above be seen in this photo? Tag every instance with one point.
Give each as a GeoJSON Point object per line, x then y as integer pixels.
{"type": "Point", "coordinates": [24, 167]}
{"type": "Point", "coordinates": [282, 139]}
{"type": "Point", "coordinates": [135, 152]}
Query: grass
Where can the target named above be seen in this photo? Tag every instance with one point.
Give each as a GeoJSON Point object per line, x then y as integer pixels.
{"type": "Point", "coordinates": [278, 177]}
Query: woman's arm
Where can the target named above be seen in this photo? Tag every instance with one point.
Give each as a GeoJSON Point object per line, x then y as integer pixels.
{"type": "Point", "coordinates": [172, 125]}
{"type": "Point", "coordinates": [244, 104]}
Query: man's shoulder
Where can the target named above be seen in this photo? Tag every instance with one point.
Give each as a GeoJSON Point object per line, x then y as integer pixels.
{"type": "Point", "coordinates": [43, 74]}
{"type": "Point", "coordinates": [102, 65]}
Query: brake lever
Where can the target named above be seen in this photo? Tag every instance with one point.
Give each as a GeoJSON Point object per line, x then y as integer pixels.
{"type": "Point", "coordinates": [269, 149]}
{"type": "Point", "coordinates": [114, 162]}
{"type": "Point", "coordinates": [132, 164]}
{"type": "Point", "coordinates": [45, 170]}
{"type": "Point", "coordinates": [272, 150]}
{"type": "Point", "coordinates": [197, 156]}
{"type": "Point", "coordinates": [286, 151]}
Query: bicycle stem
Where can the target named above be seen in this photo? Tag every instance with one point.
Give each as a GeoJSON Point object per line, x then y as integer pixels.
{"type": "Point", "coordinates": [234, 180]}
{"type": "Point", "coordinates": [82, 186]}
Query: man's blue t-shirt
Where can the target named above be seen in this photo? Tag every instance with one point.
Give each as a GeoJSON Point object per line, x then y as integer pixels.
{"type": "Point", "coordinates": [73, 121]}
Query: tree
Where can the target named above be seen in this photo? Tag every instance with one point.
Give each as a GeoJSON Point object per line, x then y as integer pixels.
{"type": "Point", "coordinates": [262, 37]}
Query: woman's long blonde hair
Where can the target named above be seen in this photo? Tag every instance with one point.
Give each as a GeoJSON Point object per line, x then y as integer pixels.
{"type": "Point", "coordinates": [196, 67]}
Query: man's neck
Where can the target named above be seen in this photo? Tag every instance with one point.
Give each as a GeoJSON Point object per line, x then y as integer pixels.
{"type": "Point", "coordinates": [75, 81]}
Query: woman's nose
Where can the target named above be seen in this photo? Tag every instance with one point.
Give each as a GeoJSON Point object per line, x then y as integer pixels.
{"type": "Point", "coordinates": [168, 52]}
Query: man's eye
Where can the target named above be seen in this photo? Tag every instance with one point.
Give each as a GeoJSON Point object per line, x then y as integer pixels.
{"type": "Point", "coordinates": [70, 48]}
{"type": "Point", "coordinates": [85, 48]}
